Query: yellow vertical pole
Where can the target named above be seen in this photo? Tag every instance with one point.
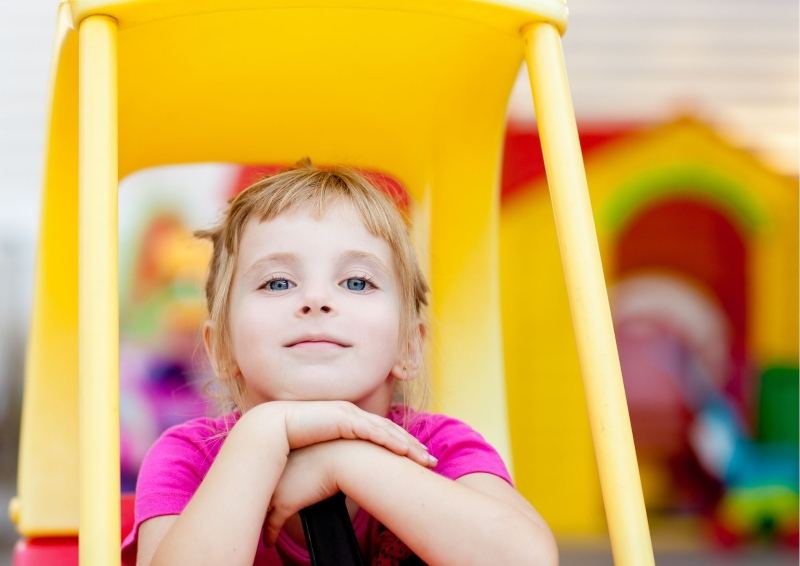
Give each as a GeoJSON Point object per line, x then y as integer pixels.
{"type": "Point", "coordinates": [98, 304]}
{"type": "Point", "coordinates": [591, 316]}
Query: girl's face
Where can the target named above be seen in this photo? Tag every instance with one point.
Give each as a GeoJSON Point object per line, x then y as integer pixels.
{"type": "Point", "coordinates": [315, 310]}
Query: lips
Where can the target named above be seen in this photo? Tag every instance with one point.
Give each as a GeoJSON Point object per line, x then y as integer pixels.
{"type": "Point", "coordinates": [318, 340]}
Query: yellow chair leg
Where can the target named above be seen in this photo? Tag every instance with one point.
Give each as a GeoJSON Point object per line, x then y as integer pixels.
{"type": "Point", "coordinates": [98, 302]}
{"type": "Point", "coordinates": [591, 316]}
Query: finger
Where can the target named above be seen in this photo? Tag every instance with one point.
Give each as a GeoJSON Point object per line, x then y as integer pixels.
{"type": "Point", "coordinates": [403, 443]}
{"type": "Point", "coordinates": [409, 445]}
{"type": "Point", "coordinates": [419, 453]}
{"type": "Point", "coordinates": [383, 436]}
{"type": "Point", "coordinates": [369, 426]}
{"type": "Point", "coordinates": [275, 522]}
{"type": "Point", "coordinates": [413, 439]}
{"type": "Point", "coordinates": [416, 449]}
{"type": "Point", "coordinates": [363, 425]}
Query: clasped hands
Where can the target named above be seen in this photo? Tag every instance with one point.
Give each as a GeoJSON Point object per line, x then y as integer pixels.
{"type": "Point", "coordinates": [321, 436]}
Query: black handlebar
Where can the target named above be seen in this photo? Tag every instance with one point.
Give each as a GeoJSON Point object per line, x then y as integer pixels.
{"type": "Point", "coordinates": [329, 533]}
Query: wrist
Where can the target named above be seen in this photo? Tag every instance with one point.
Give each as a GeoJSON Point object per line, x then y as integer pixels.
{"type": "Point", "coordinates": [347, 460]}
{"type": "Point", "coordinates": [265, 425]}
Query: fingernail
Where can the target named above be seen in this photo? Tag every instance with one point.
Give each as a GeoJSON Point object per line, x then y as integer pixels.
{"type": "Point", "coordinates": [432, 460]}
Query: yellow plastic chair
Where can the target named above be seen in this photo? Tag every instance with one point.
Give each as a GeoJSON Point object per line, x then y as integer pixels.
{"type": "Point", "coordinates": [413, 88]}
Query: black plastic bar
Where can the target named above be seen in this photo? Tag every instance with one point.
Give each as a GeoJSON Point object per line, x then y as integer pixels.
{"type": "Point", "coordinates": [329, 533]}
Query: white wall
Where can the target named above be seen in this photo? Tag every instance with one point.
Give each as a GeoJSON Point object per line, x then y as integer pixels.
{"type": "Point", "coordinates": [732, 62]}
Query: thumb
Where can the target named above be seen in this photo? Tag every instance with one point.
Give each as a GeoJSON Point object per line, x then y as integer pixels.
{"type": "Point", "coordinates": [276, 518]}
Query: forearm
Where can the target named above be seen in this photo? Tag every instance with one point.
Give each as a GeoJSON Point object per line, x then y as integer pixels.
{"type": "Point", "coordinates": [222, 522]}
{"type": "Point", "coordinates": [442, 521]}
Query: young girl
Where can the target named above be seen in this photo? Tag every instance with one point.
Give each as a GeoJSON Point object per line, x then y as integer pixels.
{"type": "Point", "coordinates": [316, 304]}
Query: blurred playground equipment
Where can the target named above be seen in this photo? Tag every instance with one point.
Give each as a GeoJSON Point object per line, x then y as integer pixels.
{"type": "Point", "coordinates": [699, 243]}
{"type": "Point", "coordinates": [161, 311]}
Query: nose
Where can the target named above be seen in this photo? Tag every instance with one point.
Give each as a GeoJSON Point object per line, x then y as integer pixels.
{"type": "Point", "coordinates": [308, 309]}
{"type": "Point", "coordinates": [315, 301]}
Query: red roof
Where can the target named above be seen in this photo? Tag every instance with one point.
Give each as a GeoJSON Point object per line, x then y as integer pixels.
{"type": "Point", "coordinates": [522, 159]}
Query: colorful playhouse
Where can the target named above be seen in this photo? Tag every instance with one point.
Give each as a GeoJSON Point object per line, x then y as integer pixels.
{"type": "Point", "coordinates": [699, 247]}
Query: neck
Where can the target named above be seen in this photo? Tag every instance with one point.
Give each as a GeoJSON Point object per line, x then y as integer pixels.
{"type": "Point", "coordinates": [379, 400]}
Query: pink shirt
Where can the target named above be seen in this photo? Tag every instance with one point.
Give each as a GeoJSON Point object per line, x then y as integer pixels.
{"type": "Point", "coordinates": [180, 458]}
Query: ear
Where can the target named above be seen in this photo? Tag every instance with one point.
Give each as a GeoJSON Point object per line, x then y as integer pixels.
{"type": "Point", "coordinates": [409, 367]}
{"type": "Point", "coordinates": [208, 342]}
{"type": "Point", "coordinates": [208, 330]}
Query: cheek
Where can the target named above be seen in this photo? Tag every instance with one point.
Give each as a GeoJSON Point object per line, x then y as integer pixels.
{"type": "Point", "coordinates": [381, 323]}
{"type": "Point", "coordinates": [251, 330]}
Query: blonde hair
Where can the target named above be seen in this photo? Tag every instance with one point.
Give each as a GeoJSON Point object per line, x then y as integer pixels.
{"type": "Point", "coordinates": [308, 186]}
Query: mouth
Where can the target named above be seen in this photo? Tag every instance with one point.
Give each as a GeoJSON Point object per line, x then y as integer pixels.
{"type": "Point", "coordinates": [317, 342]}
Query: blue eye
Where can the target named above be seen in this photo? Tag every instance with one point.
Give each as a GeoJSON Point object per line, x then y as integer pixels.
{"type": "Point", "coordinates": [278, 284]}
{"type": "Point", "coordinates": [358, 284]}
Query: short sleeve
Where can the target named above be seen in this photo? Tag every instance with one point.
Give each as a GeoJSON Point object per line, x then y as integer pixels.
{"type": "Point", "coordinates": [171, 472]}
{"type": "Point", "coordinates": [460, 449]}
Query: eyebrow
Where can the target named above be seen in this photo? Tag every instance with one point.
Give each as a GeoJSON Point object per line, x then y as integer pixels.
{"type": "Point", "coordinates": [367, 257]}
{"type": "Point", "coordinates": [280, 257]}
{"type": "Point", "coordinates": [347, 256]}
